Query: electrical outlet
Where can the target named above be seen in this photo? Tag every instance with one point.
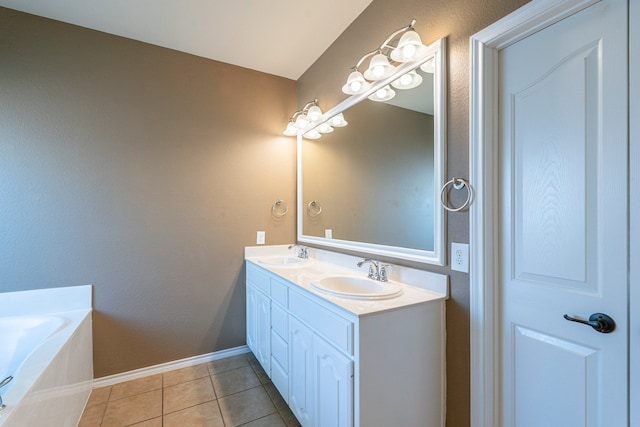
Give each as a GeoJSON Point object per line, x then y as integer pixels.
{"type": "Point", "coordinates": [328, 233]}
{"type": "Point", "coordinates": [460, 257]}
{"type": "Point", "coordinates": [260, 237]}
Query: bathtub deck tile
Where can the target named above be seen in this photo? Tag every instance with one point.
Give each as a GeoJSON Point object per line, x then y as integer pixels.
{"type": "Point", "coordinates": [134, 409]}
{"type": "Point", "coordinates": [133, 387]}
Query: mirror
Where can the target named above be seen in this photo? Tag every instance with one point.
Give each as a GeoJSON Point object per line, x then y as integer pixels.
{"type": "Point", "coordinates": [373, 186]}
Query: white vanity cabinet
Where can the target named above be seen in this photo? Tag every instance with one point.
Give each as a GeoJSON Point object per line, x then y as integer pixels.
{"type": "Point", "coordinates": [337, 368]}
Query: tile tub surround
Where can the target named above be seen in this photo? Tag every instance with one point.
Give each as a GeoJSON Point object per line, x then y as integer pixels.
{"type": "Point", "coordinates": [234, 391]}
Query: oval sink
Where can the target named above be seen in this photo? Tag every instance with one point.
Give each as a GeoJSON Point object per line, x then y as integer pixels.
{"type": "Point", "coordinates": [282, 261]}
{"type": "Point", "coordinates": [357, 287]}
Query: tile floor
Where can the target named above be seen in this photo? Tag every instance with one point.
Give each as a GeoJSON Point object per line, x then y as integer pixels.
{"type": "Point", "coordinates": [228, 392]}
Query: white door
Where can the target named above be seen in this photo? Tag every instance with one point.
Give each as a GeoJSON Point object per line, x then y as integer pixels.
{"type": "Point", "coordinates": [563, 222]}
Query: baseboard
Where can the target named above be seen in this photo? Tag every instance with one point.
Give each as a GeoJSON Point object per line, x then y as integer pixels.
{"type": "Point", "coordinates": [169, 366]}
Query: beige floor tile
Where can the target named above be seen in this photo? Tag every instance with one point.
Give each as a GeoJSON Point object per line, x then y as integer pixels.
{"type": "Point", "coordinates": [133, 387]}
{"type": "Point", "coordinates": [205, 415]}
{"type": "Point", "coordinates": [246, 406]}
{"type": "Point", "coordinates": [289, 419]}
{"type": "Point", "coordinates": [99, 395]}
{"type": "Point", "coordinates": [273, 420]}
{"type": "Point", "coordinates": [227, 364]}
{"type": "Point", "coordinates": [230, 382]}
{"type": "Point", "coordinates": [133, 409]}
{"type": "Point", "coordinates": [187, 394]}
{"type": "Point", "coordinates": [92, 415]}
{"type": "Point", "coordinates": [155, 422]}
{"type": "Point", "coordinates": [275, 396]}
{"type": "Point", "coordinates": [262, 375]}
{"type": "Point", "coordinates": [185, 374]}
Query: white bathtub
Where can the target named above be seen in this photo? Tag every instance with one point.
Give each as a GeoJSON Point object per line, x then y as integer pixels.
{"type": "Point", "coordinates": [46, 345]}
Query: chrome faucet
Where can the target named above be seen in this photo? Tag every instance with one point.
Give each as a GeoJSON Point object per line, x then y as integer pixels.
{"type": "Point", "coordinates": [3, 383]}
{"type": "Point", "coordinates": [377, 270]}
{"type": "Point", "coordinates": [302, 251]}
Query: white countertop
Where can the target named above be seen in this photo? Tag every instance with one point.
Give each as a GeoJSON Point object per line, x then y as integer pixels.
{"type": "Point", "coordinates": [419, 286]}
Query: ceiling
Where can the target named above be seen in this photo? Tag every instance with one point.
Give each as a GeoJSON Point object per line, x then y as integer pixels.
{"type": "Point", "coordinates": [280, 37]}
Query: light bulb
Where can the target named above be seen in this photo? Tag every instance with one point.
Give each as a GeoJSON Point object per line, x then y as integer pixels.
{"type": "Point", "coordinates": [378, 71]}
{"type": "Point", "coordinates": [356, 86]}
{"type": "Point", "coordinates": [381, 93]}
{"type": "Point", "coordinates": [302, 122]}
{"type": "Point", "coordinates": [314, 113]}
{"type": "Point", "coordinates": [312, 134]}
{"type": "Point", "coordinates": [405, 79]}
{"type": "Point", "coordinates": [408, 50]}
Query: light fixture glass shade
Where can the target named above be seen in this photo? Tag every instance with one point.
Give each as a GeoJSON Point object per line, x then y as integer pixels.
{"type": "Point", "coordinates": [324, 128]}
{"type": "Point", "coordinates": [302, 122]}
{"type": "Point", "coordinates": [291, 129]}
{"type": "Point", "coordinates": [429, 66]}
{"type": "Point", "coordinates": [379, 68]}
{"type": "Point", "coordinates": [383, 94]}
{"type": "Point", "coordinates": [338, 121]}
{"type": "Point", "coordinates": [314, 113]}
{"type": "Point", "coordinates": [312, 134]}
{"type": "Point", "coordinates": [407, 81]}
{"type": "Point", "coordinates": [355, 84]}
{"type": "Point", "coordinates": [410, 48]}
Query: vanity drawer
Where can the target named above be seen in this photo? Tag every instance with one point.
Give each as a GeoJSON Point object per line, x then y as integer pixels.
{"type": "Point", "coordinates": [280, 379]}
{"type": "Point", "coordinates": [279, 350]}
{"type": "Point", "coordinates": [336, 329]}
{"type": "Point", "coordinates": [279, 292]}
{"type": "Point", "coordinates": [279, 320]}
{"type": "Point", "coordinates": [258, 278]}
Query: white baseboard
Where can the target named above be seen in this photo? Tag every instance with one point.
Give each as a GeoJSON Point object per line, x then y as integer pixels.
{"type": "Point", "coordinates": [169, 366]}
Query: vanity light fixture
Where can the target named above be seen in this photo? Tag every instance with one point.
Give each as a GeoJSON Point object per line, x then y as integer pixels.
{"type": "Point", "coordinates": [407, 81]}
{"type": "Point", "coordinates": [304, 121]}
{"type": "Point", "coordinates": [382, 94]}
{"type": "Point", "coordinates": [403, 45]}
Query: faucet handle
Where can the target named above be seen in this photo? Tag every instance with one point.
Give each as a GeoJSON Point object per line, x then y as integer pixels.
{"type": "Point", "coordinates": [383, 272]}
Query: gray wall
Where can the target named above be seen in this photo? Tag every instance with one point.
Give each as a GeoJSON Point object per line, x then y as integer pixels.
{"type": "Point", "coordinates": [456, 20]}
{"type": "Point", "coordinates": [142, 171]}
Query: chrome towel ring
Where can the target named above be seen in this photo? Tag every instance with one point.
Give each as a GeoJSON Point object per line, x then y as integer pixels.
{"type": "Point", "coordinates": [279, 208]}
{"type": "Point", "coordinates": [314, 209]}
{"type": "Point", "coordinates": [457, 184]}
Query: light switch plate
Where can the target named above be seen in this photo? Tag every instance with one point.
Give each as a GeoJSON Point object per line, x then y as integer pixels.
{"type": "Point", "coordinates": [460, 257]}
{"type": "Point", "coordinates": [260, 237]}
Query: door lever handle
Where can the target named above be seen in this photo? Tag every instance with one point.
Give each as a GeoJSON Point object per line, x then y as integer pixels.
{"type": "Point", "coordinates": [598, 321]}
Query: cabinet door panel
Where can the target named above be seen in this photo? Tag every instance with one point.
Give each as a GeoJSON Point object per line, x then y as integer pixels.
{"type": "Point", "coordinates": [334, 386]}
{"type": "Point", "coordinates": [252, 313]}
{"type": "Point", "coordinates": [301, 378]}
{"type": "Point", "coordinates": [263, 336]}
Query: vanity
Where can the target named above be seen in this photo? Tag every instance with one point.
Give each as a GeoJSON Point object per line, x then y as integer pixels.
{"type": "Point", "coordinates": [351, 355]}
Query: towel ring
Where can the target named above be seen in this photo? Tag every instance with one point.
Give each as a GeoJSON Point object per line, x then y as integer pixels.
{"type": "Point", "coordinates": [314, 209]}
{"type": "Point", "coordinates": [457, 184]}
{"type": "Point", "coordinates": [279, 208]}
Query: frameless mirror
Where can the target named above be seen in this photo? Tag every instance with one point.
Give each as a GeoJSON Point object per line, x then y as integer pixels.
{"type": "Point", "coordinates": [373, 186]}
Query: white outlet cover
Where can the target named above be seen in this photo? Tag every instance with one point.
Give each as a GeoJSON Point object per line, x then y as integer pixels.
{"type": "Point", "coordinates": [460, 257]}
{"type": "Point", "coordinates": [260, 238]}
{"type": "Point", "coordinates": [328, 233]}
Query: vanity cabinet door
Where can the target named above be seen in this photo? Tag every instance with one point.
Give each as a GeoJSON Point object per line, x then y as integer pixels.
{"type": "Point", "coordinates": [334, 385]}
{"type": "Point", "coordinates": [301, 372]}
{"type": "Point", "coordinates": [259, 326]}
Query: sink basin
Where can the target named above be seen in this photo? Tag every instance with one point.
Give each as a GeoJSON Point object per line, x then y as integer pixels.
{"type": "Point", "coordinates": [357, 287]}
{"type": "Point", "coordinates": [282, 261]}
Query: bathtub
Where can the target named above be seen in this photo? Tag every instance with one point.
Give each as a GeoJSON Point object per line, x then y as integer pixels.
{"type": "Point", "coordinates": [46, 345]}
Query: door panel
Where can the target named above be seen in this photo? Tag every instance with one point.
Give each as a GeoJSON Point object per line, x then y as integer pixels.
{"type": "Point", "coordinates": [563, 197]}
